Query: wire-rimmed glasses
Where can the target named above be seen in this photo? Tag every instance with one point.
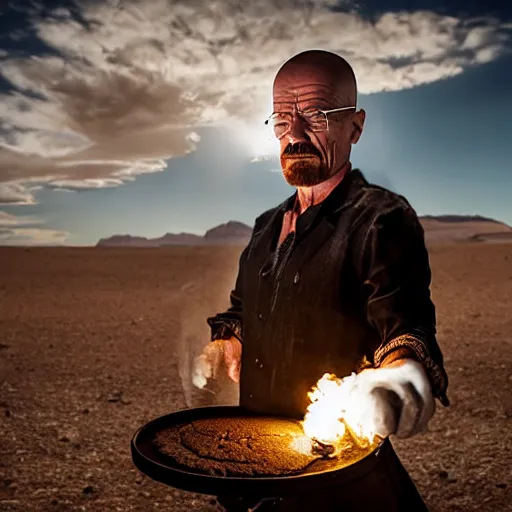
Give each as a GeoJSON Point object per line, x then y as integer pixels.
{"type": "Point", "coordinates": [316, 119]}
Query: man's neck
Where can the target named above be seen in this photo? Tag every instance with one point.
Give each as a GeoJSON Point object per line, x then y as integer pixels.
{"type": "Point", "coordinates": [310, 196]}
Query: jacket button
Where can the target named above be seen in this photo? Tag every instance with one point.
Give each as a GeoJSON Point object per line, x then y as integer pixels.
{"type": "Point", "coordinates": [296, 278]}
{"type": "Point", "coordinates": [260, 316]}
{"type": "Point", "coordinates": [265, 271]}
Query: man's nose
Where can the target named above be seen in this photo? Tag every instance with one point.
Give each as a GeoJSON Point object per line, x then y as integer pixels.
{"type": "Point", "coordinates": [297, 132]}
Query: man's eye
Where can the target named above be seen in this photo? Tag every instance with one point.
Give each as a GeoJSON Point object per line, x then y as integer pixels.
{"type": "Point", "coordinates": [314, 116]}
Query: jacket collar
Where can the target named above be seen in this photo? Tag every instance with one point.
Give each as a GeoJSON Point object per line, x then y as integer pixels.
{"type": "Point", "coordinates": [342, 195]}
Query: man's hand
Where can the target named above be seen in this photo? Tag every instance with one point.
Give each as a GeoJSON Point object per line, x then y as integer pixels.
{"type": "Point", "coordinates": [394, 399]}
{"type": "Point", "coordinates": [216, 354]}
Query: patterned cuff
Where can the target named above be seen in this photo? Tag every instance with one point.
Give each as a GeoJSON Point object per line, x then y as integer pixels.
{"type": "Point", "coordinates": [399, 353]}
{"type": "Point", "coordinates": [435, 372]}
{"type": "Point", "coordinates": [225, 328]}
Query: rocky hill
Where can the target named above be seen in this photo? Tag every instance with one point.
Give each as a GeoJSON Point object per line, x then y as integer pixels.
{"type": "Point", "coordinates": [438, 229]}
{"type": "Point", "coordinates": [231, 233]}
{"type": "Point", "coordinates": [460, 228]}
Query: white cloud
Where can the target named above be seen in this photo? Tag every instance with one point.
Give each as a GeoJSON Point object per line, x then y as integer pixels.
{"type": "Point", "coordinates": [193, 137]}
{"type": "Point", "coordinates": [6, 219]}
{"type": "Point", "coordinates": [21, 230]}
{"type": "Point", "coordinates": [127, 92]}
{"type": "Point", "coordinates": [15, 193]}
{"type": "Point", "coordinates": [86, 183]}
{"type": "Point", "coordinates": [31, 236]}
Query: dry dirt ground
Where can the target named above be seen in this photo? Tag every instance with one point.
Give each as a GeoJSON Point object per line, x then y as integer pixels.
{"type": "Point", "coordinates": [93, 344]}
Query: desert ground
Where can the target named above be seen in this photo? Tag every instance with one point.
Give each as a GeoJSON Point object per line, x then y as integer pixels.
{"type": "Point", "coordinates": [94, 342]}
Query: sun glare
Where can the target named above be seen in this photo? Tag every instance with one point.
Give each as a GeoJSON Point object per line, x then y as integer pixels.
{"type": "Point", "coordinates": [253, 135]}
{"type": "Point", "coordinates": [258, 140]}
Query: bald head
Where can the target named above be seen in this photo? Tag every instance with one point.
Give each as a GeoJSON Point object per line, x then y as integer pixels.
{"type": "Point", "coordinates": [319, 67]}
{"type": "Point", "coordinates": [315, 116]}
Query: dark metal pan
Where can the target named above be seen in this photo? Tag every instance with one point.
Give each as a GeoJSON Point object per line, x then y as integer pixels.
{"type": "Point", "coordinates": [157, 466]}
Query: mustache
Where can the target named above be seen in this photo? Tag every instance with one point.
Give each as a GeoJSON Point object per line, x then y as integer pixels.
{"type": "Point", "coordinates": [302, 148]}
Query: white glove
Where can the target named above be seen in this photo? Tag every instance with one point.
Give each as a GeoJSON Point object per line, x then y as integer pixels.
{"type": "Point", "coordinates": [395, 399]}
{"type": "Point", "coordinates": [216, 354]}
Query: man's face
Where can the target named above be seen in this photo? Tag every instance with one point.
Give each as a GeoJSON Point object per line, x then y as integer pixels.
{"type": "Point", "coordinates": [310, 156]}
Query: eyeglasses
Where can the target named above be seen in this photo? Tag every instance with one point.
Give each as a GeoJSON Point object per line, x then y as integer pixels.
{"type": "Point", "coordinates": [316, 120]}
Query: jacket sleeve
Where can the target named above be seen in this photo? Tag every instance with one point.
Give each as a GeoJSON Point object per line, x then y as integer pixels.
{"type": "Point", "coordinates": [227, 324]}
{"type": "Point", "coordinates": [397, 278]}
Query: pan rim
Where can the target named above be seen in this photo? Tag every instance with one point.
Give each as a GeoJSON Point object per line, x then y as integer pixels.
{"type": "Point", "coordinates": [147, 460]}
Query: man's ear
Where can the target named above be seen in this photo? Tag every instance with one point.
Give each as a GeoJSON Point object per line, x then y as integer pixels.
{"type": "Point", "coordinates": [358, 120]}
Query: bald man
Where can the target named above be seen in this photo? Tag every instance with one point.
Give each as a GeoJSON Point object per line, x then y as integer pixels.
{"type": "Point", "coordinates": [335, 279]}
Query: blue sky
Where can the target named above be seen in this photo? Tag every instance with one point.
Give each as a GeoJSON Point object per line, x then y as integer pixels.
{"type": "Point", "coordinates": [105, 136]}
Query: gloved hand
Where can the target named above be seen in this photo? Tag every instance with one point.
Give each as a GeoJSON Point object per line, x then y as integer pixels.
{"type": "Point", "coordinates": [394, 399]}
{"type": "Point", "coordinates": [216, 354]}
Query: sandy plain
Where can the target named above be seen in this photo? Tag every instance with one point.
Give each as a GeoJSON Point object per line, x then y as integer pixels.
{"type": "Point", "coordinates": [94, 342]}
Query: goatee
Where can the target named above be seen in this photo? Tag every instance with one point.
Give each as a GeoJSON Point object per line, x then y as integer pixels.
{"type": "Point", "coordinates": [302, 165]}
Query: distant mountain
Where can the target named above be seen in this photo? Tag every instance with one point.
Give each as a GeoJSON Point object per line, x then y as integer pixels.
{"type": "Point", "coordinates": [231, 233]}
{"type": "Point", "coordinates": [179, 239]}
{"type": "Point", "coordinates": [459, 218]}
{"type": "Point", "coordinates": [438, 229]}
{"type": "Point", "coordinates": [126, 241]}
{"type": "Point", "coordinates": [463, 228]}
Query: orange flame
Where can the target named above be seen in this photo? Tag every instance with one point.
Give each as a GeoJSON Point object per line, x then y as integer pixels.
{"type": "Point", "coordinates": [333, 413]}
